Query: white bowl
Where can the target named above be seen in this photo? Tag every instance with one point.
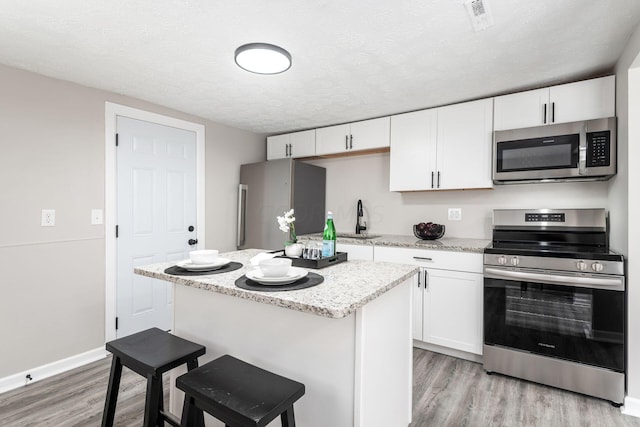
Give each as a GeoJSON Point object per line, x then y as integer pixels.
{"type": "Point", "coordinates": [275, 267]}
{"type": "Point", "coordinates": [206, 256]}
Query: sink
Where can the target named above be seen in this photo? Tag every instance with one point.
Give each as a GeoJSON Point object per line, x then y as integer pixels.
{"type": "Point", "coordinates": [357, 236]}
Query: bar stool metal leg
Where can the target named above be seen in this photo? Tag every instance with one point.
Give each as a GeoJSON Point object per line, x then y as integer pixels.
{"type": "Point", "coordinates": [112, 393]}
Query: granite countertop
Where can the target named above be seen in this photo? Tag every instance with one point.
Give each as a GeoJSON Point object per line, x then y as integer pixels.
{"type": "Point", "coordinates": [347, 286]}
{"type": "Point", "coordinates": [405, 241]}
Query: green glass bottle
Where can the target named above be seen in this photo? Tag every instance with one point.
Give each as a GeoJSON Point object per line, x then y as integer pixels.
{"type": "Point", "coordinates": [329, 237]}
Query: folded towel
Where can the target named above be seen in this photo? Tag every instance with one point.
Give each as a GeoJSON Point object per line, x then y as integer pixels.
{"type": "Point", "coordinates": [262, 255]}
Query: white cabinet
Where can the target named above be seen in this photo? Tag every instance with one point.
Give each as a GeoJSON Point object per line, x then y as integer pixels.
{"type": "Point", "coordinates": [585, 100]}
{"type": "Point", "coordinates": [447, 296]}
{"type": "Point", "coordinates": [294, 145]}
{"type": "Point", "coordinates": [452, 310]}
{"type": "Point", "coordinates": [442, 148]}
{"type": "Point", "coordinates": [465, 133]}
{"type": "Point", "coordinates": [413, 150]}
{"type": "Point", "coordinates": [357, 136]}
{"type": "Point", "coordinates": [363, 252]}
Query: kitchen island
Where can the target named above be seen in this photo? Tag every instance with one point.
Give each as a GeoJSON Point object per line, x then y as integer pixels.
{"type": "Point", "coordinates": [348, 339]}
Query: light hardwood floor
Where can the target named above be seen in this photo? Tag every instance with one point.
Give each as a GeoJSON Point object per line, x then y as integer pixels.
{"type": "Point", "coordinates": [447, 392]}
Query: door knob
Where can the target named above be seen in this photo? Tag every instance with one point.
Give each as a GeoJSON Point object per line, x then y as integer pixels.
{"type": "Point", "coordinates": [191, 228]}
{"type": "Point", "coordinates": [193, 242]}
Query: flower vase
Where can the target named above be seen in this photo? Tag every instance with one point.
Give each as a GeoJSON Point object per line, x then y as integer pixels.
{"type": "Point", "coordinates": [293, 250]}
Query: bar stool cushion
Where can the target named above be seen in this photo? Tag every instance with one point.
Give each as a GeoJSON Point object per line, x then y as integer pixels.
{"type": "Point", "coordinates": [239, 393]}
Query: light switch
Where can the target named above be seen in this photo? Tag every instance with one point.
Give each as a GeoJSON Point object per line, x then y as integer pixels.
{"type": "Point", "coordinates": [96, 216]}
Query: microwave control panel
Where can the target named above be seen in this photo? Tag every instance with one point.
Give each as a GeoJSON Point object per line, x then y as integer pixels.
{"type": "Point", "coordinates": [598, 148]}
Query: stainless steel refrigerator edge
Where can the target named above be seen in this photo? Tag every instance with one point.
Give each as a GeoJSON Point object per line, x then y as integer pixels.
{"type": "Point", "coordinates": [267, 190]}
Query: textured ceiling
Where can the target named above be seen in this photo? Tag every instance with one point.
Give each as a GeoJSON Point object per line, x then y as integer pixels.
{"type": "Point", "coordinates": [352, 59]}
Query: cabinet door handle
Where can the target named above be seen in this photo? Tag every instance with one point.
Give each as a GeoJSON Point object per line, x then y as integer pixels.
{"type": "Point", "coordinates": [419, 278]}
{"type": "Point", "coordinates": [544, 115]}
{"type": "Point", "coordinates": [286, 150]}
{"type": "Point", "coordinates": [553, 112]}
{"type": "Point", "coordinates": [346, 142]}
{"type": "Point", "coordinates": [438, 179]}
{"type": "Point", "coordinates": [431, 179]}
{"type": "Point", "coordinates": [426, 281]}
{"type": "Point", "coordinates": [351, 142]}
{"type": "Point", "coordinates": [290, 150]}
{"type": "Point", "coordinates": [421, 258]}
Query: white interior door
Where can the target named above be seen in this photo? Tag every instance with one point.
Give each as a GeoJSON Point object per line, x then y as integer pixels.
{"type": "Point", "coordinates": [156, 217]}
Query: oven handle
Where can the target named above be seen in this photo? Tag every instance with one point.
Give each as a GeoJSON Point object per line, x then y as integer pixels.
{"type": "Point", "coordinates": [611, 283]}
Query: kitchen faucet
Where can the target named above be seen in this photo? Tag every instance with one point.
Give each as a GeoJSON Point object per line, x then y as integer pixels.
{"type": "Point", "coordinates": [360, 228]}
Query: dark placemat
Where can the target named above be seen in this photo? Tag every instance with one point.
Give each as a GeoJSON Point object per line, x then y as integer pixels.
{"type": "Point", "coordinates": [311, 279]}
{"type": "Point", "coordinates": [179, 271]}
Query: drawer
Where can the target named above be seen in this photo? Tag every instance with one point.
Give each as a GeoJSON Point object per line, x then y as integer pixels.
{"type": "Point", "coordinates": [428, 258]}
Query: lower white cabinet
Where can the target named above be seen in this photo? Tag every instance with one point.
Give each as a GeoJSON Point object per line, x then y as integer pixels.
{"type": "Point", "coordinates": [363, 252]}
{"type": "Point", "coordinates": [447, 296]}
{"type": "Point", "coordinates": [452, 310]}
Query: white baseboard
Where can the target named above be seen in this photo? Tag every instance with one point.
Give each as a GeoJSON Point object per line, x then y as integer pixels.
{"type": "Point", "coordinates": [448, 351]}
{"type": "Point", "coordinates": [45, 371]}
{"type": "Point", "coordinates": [631, 407]}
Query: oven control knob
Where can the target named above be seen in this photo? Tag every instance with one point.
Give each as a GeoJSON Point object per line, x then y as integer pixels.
{"type": "Point", "coordinates": [581, 265]}
{"type": "Point", "coordinates": [502, 260]}
{"type": "Point", "coordinates": [596, 266]}
{"type": "Point", "coordinates": [515, 261]}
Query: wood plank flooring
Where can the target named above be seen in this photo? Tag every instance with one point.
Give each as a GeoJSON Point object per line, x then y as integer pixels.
{"type": "Point", "coordinates": [452, 392]}
{"type": "Point", "coordinates": [447, 392]}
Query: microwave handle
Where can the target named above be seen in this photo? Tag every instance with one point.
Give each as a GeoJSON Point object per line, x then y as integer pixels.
{"type": "Point", "coordinates": [582, 159]}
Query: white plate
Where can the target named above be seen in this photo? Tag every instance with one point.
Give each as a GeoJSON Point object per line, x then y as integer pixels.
{"type": "Point", "coordinates": [188, 265]}
{"type": "Point", "coordinates": [295, 273]}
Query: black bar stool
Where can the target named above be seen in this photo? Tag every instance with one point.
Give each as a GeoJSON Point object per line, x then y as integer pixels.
{"type": "Point", "coordinates": [238, 394]}
{"type": "Point", "coordinates": [149, 353]}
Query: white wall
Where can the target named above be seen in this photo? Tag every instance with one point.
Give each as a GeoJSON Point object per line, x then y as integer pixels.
{"type": "Point", "coordinates": [52, 291]}
{"type": "Point", "coordinates": [367, 178]}
{"type": "Point", "coordinates": [626, 206]}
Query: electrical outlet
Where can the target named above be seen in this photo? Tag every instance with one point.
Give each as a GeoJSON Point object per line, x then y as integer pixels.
{"type": "Point", "coordinates": [96, 216]}
{"type": "Point", "coordinates": [455, 214]}
{"type": "Point", "coordinates": [48, 218]}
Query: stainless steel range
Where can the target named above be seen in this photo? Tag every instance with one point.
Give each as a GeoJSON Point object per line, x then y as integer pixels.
{"type": "Point", "coordinates": [554, 301]}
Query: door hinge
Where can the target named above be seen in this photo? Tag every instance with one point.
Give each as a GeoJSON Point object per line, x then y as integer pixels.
{"type": "Point", "coordinates": [117, 140]}
{"type": "Point", "coordinates": [117, 231]}
{"type": "Point", "coordinates": [116, 323]}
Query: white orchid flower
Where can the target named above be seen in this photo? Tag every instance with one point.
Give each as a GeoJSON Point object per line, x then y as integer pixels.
{"type": "Point", "coordinates": [286, 223]}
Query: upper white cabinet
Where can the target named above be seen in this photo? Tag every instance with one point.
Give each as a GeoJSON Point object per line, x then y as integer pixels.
{"type": "Point", "coordinates": [442, 148]}
{"type": "Point", "coordinates": [294, 145]}
{"type": "Point", "coordinates": [356, 136]}
{"type": "Point", "coordinates": [413, 150]}
{"type": "Point", "coordinates": [585, 100]}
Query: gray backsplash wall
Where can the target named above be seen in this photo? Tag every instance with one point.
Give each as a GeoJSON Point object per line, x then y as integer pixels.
{"type": "Point", "coordinates": [366, 177]}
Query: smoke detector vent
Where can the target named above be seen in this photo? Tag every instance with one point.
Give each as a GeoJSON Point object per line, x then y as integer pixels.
{"type": "Point", "coordinates": [480, 14]}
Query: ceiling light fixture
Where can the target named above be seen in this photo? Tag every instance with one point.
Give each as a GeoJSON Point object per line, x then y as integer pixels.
{"type": "Point", "coordinates": [263, 58]}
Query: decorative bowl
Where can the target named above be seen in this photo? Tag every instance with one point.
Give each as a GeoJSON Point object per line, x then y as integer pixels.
{"type": "Point", "coordinates": [275, 267]}
{"type": "Point", "coordinates": [428, 231]}
{"type": "Point", "coordinates": [205, 256]}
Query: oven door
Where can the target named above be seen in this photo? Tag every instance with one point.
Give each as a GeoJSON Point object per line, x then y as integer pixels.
{"type": "Point", "coordinates": [579, 319]}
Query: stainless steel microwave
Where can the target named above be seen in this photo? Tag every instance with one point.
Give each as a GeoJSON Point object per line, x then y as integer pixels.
{"type": "Point", "coordinates": [583, 150]}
